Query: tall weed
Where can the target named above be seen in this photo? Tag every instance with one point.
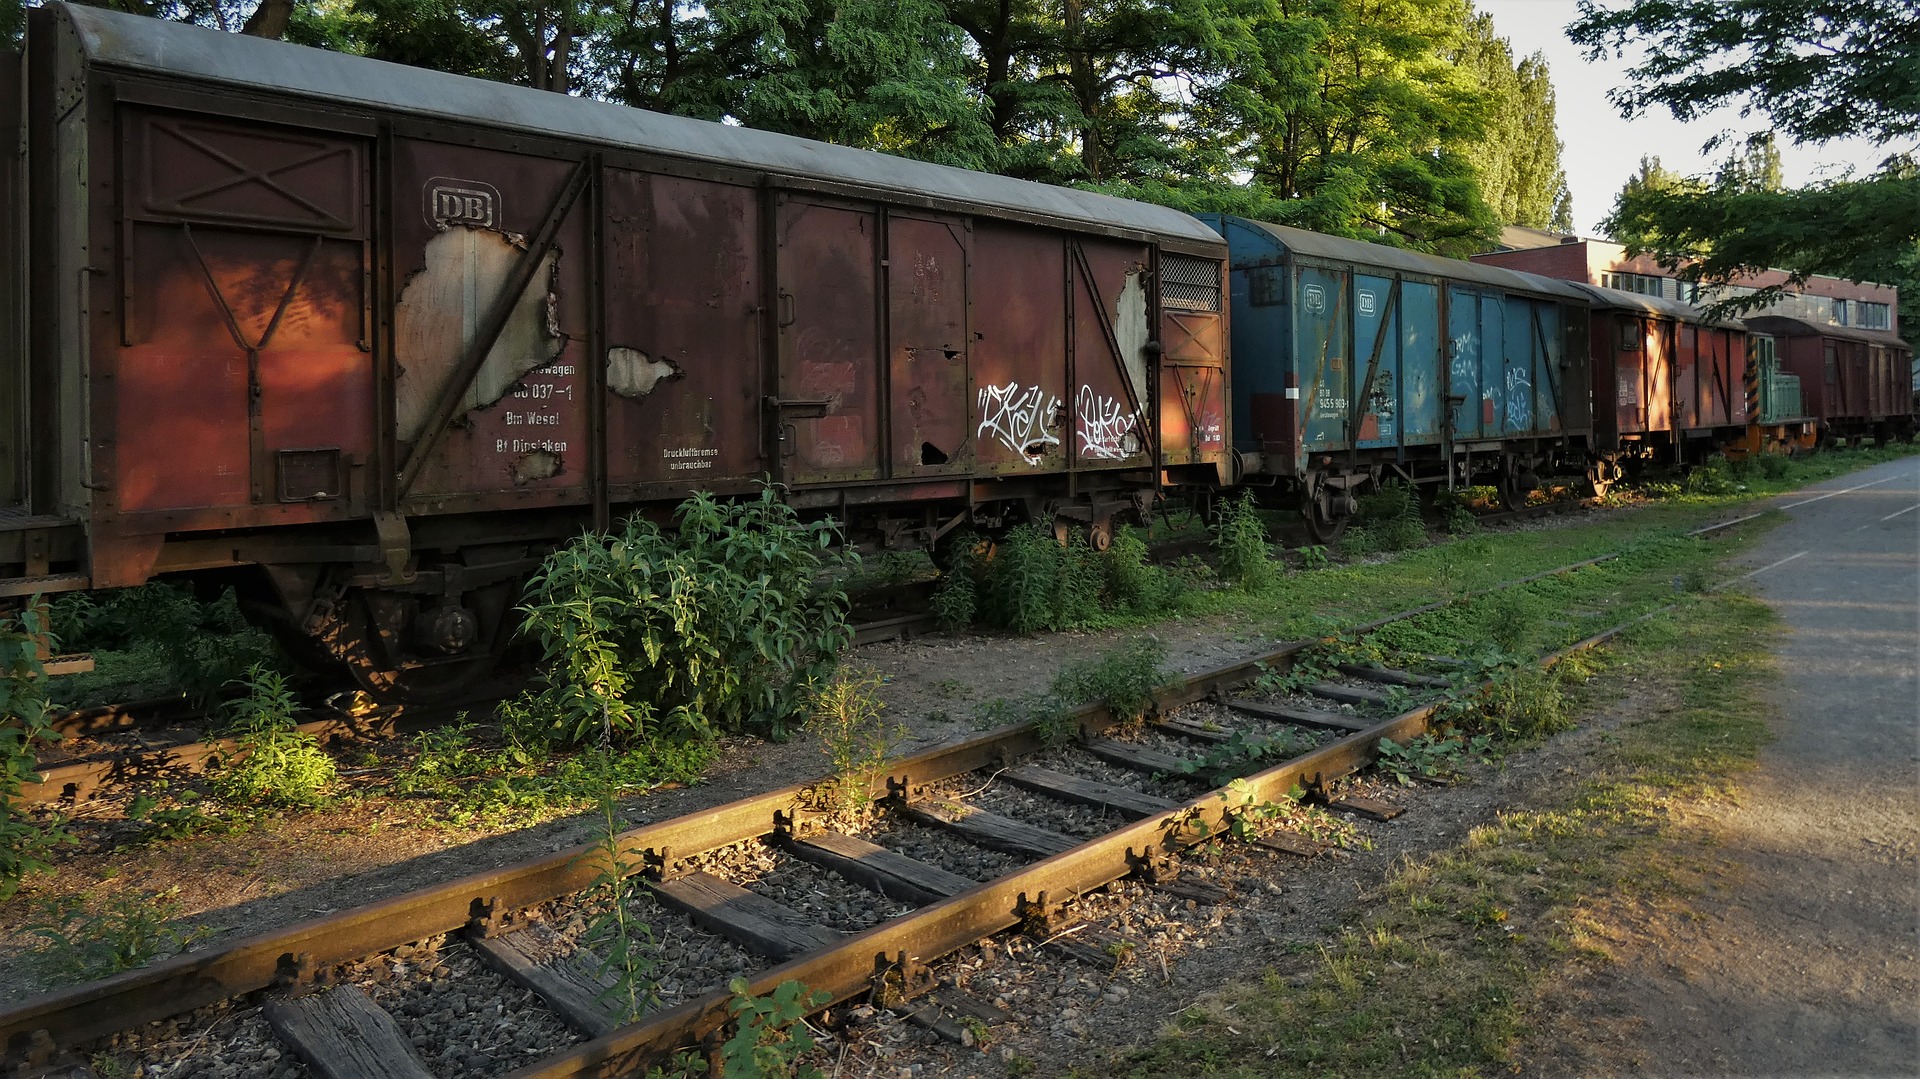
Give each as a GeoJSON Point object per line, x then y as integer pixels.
{"type": "Point", "coordinates": [715, 626]}
{"type": "Point", "coordinates": [276, 764]}
{"type": "Point", "coordinates": [1240, 540]}
{"type": "Point", "coordinates": [847, 720]}
{"type": "Point", "coordinates": [25, 723]}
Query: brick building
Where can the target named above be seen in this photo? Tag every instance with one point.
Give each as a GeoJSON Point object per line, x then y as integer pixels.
{"type": "Point", "coordinates": [1829, 301]}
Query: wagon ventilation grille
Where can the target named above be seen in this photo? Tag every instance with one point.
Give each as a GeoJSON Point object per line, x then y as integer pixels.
{"type": "Point", "coordinates": [1188, 283]}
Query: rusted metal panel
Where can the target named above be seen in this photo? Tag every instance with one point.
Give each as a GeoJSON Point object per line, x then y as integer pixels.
{"type": "Point", "coordinates": [241, 376]}
{"type": "Point", "coordinates": [684, 323]}
{"type": "Point", "coordinates": [13, 351]}
{"type": "Point", "coordinates": [1020, 399]}
{"type": "Point", "coordinates": [1686, 376]}
{"type": "Point", "coordinates": [462, 217]}
{"type": "Point", "coordinates": [927, 272]}
{"type": "Point", "coordinates": [1111, 413]}
{"type": "Point", "coordinates": [830, 368]}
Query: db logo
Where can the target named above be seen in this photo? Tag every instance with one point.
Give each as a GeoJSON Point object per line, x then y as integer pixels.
{"type": "Point", "coordinates": [461, 202]}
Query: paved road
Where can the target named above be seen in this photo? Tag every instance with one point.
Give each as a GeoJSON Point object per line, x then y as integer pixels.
{"type": "Point", "coordinates": [1807, 964]}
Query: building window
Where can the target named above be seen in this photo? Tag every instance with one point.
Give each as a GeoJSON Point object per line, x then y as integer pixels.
{"type": "Point", "coordinates": [1875, 316]}
{"type": "Point", "coordinates": [1839, 312]}
{"type": "Point", "coordinates": [1644, 284]}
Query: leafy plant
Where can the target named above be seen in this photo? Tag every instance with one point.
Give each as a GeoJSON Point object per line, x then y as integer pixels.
{"type": "Point", "coordinates": [846, 719]}
{"type": "Point", "coordinates": [1126, 678]}
{"type": "Point", "coordinates": [195, 647]}
{"type": "Point", "coordinates": [715, 627]}
{"type": "Point", "coordinates": [25, 723]}
{"type": "Point", "coordinates": [1429, 756]}
{"type": "Point", "coordinates": [274, 763]}
{"type": "Point", "coordinates": [623, 942]}
{"type": "Point", "coordinates": [1240, 540]}
{"type": "Point", "coordinates": [1314, 557]}
{"type": "Point", "coordinates": [84, 941]}
{"type": "Point", "coordinates": [957, 600]}
{"type": "Point", "coordinates": [771, 1033]}
{"type": "Point", "coordinates": [185, 818]}
{"type": "Point", "coordinates": [1133, 583]}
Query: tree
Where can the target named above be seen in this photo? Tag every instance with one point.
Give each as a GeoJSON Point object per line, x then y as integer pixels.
{"type": "Point", "coordinates": [1518, 156]}
{"type": "Point", "coordinates": [1817, 70]}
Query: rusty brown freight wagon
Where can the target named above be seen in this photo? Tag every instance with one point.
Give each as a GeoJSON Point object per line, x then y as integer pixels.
{"type": "Point", "coordinates": [1668, 383]}
{"type": "Point", "coordinates": [1855, 383]}
{"type": "Point", "coordinates": [365, 341]}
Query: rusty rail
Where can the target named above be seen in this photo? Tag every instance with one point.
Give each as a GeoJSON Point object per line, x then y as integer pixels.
{"type": "Point", "coordinates": [72, 1016]}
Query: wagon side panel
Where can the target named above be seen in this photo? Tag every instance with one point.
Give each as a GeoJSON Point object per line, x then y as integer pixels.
{"type": "Point", "coordinates": [928, 344]}
{"type": "Point", "coordinates": [1019, 377]}
{"type": "Point", "coordinates": [1110, 417]}
{"type": "Point", "coordinates": [683, 339]}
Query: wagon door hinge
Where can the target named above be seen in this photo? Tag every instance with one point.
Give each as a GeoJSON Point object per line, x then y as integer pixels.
{"type": "Point", "coordinates": [396, 546]}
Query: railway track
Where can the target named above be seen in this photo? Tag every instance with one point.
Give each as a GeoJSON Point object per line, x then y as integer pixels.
{"type": "Point", "coordinates": [973, 839]}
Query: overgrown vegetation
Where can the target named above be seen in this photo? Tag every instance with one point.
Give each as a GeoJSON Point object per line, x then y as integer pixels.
{"type": "Point", "coordinates": [25, 845]}
{"type": "Point", "coordinates": [1125, 678]}
{"type": "Point", "coordinates": [1441, 975]}
{"type": "Point", "coordinates": [1240, 540]}
{"type": "Point", "coordinates": [856, 740]}
{"type": "Point", "coordinates": [674, 636]}
{"type": "Point", "coordinates": [1388, 520]}
{"type": "Point", "coordinates": [156, 638]}
{"type": "Point", "coordinates": [770, 1037]}
{"type": "Point", "coordinates": [273, 763]}
{"type": "Point", "coordinates": [1030, 582]}
{"type": "Point", "coordinates": [86, 937]}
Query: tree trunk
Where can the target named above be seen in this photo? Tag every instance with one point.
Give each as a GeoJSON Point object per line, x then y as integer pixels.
{"type": "Point", "coordinates": [270, 20]}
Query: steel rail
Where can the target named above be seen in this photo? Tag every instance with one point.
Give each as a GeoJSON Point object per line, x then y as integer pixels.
{"type": "Point", "coordinates": [306, 949]}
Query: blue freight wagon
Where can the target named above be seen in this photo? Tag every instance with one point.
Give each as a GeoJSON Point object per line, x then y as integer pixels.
{"type": "Point", "coordinates": [1354, 363]}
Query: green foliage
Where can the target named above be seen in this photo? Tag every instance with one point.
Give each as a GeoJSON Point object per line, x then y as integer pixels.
{"type": "Point", "coordinates": [1388, 520]}
{"type": "Point", "coordinates": [84, 939]}
{"type": "Point", "coordinates": [1126, 678]}
{"type": "Point", "coordinates": [25, 846]}
{"type": "Point", "coordinates": [1523, 704]}
{"type": "Point", "coordinates": [716, 626]}
{"type": "Point", "coordinates": [846, 720]}
{"type": "Point", "coordinates": [274, 763]}
{"type": "Point", "coordinates": [179, 817]}
{"type": "Point", "coordinates": [523, 779]}
{"type": "Point", "coordinates": [1032, 583]}
{"type": "Point", "coordinates": [1429, 756]}
{"type": "Point", "coordinates": [1314, 556]}
{"type": "Point", "coordinates": [1711, 479]}
{"type": "Point", "coordinates": [1816, 70]}
{"type": "Point", "coordinates": [771, 1033]}
{"type": "Point", "coordinates": [1240, 540]}
{"type": "Point", "coordinates": [623, 942]}
{"type": "Point", "coordinates": [1134, 584]}
{"type": "Point", "coordinates": [1772, 466]}
{"type": "Point", "coordinates": [197, 648]}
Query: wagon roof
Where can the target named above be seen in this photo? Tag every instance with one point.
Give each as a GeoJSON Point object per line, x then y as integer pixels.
{"type": "Point", "coordinates": [1787, 326]}
{"type": "Point", "coordinates": [153, 45]}
{"type": "Point", "coordinates": [1655, 305]}
{"type": "Point", "coordinates": [1318, 245]}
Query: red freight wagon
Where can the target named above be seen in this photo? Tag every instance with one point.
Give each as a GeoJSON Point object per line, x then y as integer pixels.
{"type": "Point", "coordinates": [366, 340]}
{"type": "Point", "coordinates": [1856, 383]}
{"type": "Point", "coordinates": [1667, 383]}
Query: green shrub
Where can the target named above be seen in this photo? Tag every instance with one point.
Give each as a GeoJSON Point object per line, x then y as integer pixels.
{"type": "Point", "coordinates": [1126, 678]}
{"type": "Point", "coordinates": [716, 626]}
{"type": "Point", "coordinates": [84, 940]}
{"type": "Point", "coordinates": [275, 763]}
{"type": "Point", "coordinates": [1390, 515]}
{"type": "Point", "coordinates": [1773, 466]}
{"type": "Point", "coordinates": [197, 648]}
{"type": "Point", "coordinates": [846, 719]}
{"type": "Point", "coordinates": [1240, 539]}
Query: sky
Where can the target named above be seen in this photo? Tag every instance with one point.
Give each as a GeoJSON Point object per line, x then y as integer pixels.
{"type": "Point", "coordinates": [1601, 150]}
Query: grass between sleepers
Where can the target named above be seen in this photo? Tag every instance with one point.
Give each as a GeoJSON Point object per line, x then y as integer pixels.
{"type": "Point", "coordinates": [1439, 975]}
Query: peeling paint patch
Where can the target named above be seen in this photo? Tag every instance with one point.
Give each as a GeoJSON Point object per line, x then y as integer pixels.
{"type": "Point", "coordinates": [535, 466]}
{"type": "Point", "coordinates": [631, 374]}
{"type": "Point", "coordinates": [1131, 331]}
{"type": "Point", "coordinates": [439, 314]}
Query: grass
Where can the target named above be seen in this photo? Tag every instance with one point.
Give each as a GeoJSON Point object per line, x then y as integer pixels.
{"type": "Point", "coordinates": [1441, 974]}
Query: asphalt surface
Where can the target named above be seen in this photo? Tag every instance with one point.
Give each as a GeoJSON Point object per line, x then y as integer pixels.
{"type": "Point", "coordinates": [1806, 963]}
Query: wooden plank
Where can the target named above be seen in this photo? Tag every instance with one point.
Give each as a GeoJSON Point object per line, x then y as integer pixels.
{"type": "Point", "coordinates": [1199, 891]}
{"type": "Point", "coordinates": [943, 1011]}
{"type": "Point", "coordinates": [1138, 758]}
{"type": "Point", "coordinates": [569, 980]}
{"type": "Point", "coordinates": [751, 921]}
{"type": "Point", "coordinates": [343, 1034]}
{"type": "Point", "coordinates": [1071, 788]}
{"type": "Point", "coordinates": [1349, 694]}
{"type": "Point", "coordinates": [870, 865]}
{"type": "Point", "coordinates": [1370, 808]}
{"type": "Point", "coordinates": [990, 830]}
{"type": "Point", "coordinates": [1305, 717]}
{"type": "Point", "coordinates": [1285, 842]}
{"type": "Point", "coordinates": [1090, 946]}
{"type": "Point", "coordinates": [1393, 677]}
{"type": "Point", "coordinates": [1199, 732]}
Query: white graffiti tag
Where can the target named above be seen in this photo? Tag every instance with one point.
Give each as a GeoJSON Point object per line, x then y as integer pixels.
{"type": "Point", "coordinates": [1017, 417]}
{"type": "Point", "coordinates": [1519, 400]}
{"type": "Point", "coordinates": [1106, 426]}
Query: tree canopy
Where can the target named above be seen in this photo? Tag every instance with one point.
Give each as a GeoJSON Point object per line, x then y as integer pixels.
{"type": "Point", "coordinates": [1815, 70]}
{"type": "Point", "coordinates": [1405, 121]}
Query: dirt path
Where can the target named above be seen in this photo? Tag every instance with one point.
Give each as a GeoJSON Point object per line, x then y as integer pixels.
{"type": "Point", "coordinates": [1799, 956]}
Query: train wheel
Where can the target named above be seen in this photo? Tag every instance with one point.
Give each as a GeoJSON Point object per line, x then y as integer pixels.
{"type": "Point", "coordinates": [1513, 492]}
{"type": "Point", "coordinates": [1602, 475]}
{"type": "Point", "coordinates": [365, 636]}
{"type": "Point", "coordinates": [1327, 513]}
